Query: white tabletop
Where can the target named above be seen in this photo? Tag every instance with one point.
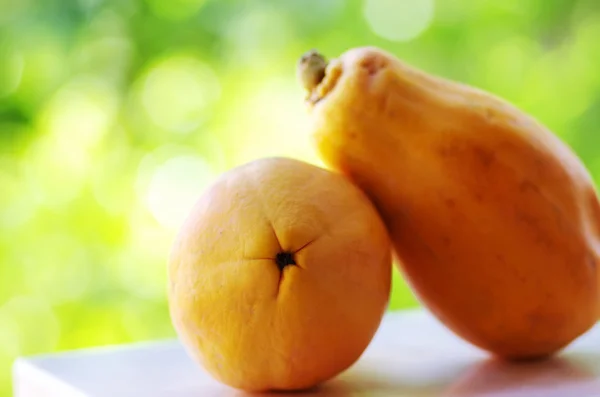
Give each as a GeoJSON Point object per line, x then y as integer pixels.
{"type": "Point", "coordinates": [411, 355]}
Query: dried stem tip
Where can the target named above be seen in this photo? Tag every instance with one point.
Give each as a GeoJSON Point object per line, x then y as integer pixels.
{"type": "Point", "coordinates": [311, 69]}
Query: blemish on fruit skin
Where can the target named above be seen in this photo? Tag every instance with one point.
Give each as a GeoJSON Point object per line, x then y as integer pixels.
{"type": "Point", "coordinates": [447, 150]}
{"type": "Point", "coordinates": [485, 156]}
{"type": "Point", "coordinates": [591, 260]}
{"type": "Point", "coordinates": [526, 186]}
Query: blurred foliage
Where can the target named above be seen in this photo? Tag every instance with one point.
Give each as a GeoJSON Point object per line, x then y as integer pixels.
{"type": "Point", "coordinates": [115, 114]}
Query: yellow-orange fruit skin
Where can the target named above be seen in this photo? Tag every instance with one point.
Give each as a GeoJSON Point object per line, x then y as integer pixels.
{"type": "Point", "coordinates": [494, 219]}
{"type": "Point", "coordinates": [256, 327]}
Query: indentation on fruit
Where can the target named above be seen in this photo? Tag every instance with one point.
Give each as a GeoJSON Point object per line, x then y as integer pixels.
{"type": "Point", "coordinates": [332, 75]}
{"type": "Point", "coordinates": [373, 63]}
{"type": "Point", "coordinates": [284, 259]}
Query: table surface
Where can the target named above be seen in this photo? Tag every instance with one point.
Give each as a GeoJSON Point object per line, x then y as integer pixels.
{"type": "Point", "coordinates": [411, 355]}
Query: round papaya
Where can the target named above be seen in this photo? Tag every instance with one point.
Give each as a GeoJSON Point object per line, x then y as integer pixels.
{"type": "Point", "coordinates": [280, 275]}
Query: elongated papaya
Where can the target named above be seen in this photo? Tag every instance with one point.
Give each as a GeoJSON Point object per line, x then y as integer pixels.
{"type": "Point", "coordinates": [495, 220]}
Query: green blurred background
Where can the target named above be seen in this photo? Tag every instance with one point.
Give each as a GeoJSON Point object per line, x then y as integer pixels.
{"type": "Point", "coordinates": [116, 114]}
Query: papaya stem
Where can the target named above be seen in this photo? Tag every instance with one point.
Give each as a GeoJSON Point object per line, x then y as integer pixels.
{"type": "Point", "coordinates": [311, 69]}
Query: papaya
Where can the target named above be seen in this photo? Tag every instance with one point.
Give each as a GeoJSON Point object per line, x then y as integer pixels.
{"type": "Point", "coordinates": [279, 276]}
{"type": "Point", "coordinates": [495, 220]}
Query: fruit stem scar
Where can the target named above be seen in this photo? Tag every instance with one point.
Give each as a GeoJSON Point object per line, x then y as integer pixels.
{"type": "Point", "coordinates": [311, 69]}
{"type": "Point", "coordinates": [285, 258]}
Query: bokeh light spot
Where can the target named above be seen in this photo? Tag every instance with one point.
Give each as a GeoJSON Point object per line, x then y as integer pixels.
{"type": "Point", "coordinates": [269, 122]}
{"type": "Point", "coordinates": [178, 91]}
{"type": "Point", "coordinates": [72, 124]}
{"type": "Point", "coordinates": [80, 114]}
{"type": "Point", "coordinates": [258, 37]}
{"type": "Point", "coordinates": [399, 20]}
{"type": "Point", "coordinates": [175, 187]}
